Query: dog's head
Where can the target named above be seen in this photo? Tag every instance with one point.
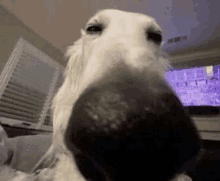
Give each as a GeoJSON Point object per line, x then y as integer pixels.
{"type": "Point", "coordinates": [115, 114]}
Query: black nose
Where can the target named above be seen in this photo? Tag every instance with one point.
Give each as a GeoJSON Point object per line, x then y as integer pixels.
{"type": "Point", "coordinates": [131, 132]}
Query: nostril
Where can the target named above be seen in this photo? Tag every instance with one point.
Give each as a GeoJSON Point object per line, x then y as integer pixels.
{"type": "Point", "coordinates": [154, 36]}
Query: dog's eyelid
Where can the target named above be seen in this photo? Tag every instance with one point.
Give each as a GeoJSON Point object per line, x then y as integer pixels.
{"type": "Point", "coordinates": [158, 32]}
{"type": "Point", "coordinates": [154, 30]}
{"type": "Point", "coordinates": [92, 23]}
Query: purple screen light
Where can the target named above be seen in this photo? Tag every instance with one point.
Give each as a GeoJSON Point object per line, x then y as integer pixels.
{"type": "Point", "coordinates": [196, 86]}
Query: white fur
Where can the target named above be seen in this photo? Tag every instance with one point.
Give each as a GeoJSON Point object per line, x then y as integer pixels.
{"type": "Point", "coordinates": [122, 46]}
{"type": "Point", "coordinates": [123, 43]}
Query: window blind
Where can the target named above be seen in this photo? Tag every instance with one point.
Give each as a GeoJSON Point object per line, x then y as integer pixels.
{"type": "Point", "coordinates": [27, 85]}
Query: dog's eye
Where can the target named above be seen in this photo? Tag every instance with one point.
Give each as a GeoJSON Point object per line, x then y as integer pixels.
{"type": "Point", "coordinates": [94, 29]}
{"type": "Point", "coordinates": [155, 37]}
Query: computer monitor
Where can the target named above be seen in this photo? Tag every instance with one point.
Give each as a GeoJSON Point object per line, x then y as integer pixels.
{"type": "Point", "coordinates": [198, 88]}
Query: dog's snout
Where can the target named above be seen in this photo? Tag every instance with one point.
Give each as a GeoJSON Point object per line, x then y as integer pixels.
{"type": "Point", "coordinates": [118, 120]}
{"type": "Point", "coordinates": [106, 107]}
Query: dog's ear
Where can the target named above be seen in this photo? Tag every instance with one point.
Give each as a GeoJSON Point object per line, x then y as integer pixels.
{"type": "Point", "coordinates": [82, 32]}
{"type": "Point", "coordinates": [5, 151]}
{"type": "Point", "coordinates": [76, 62]}
{"type": "Point", "coordinates": [3, 136]}
{"type": "Point", "coordinates": [47, 161]}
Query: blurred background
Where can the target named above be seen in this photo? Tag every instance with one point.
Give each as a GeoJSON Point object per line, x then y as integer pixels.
{"type": "Point", "coordinates": [34, 36]}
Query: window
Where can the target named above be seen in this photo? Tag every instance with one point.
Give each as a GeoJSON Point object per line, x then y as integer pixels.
{"type": "Point", "coordinates": [27, 85]}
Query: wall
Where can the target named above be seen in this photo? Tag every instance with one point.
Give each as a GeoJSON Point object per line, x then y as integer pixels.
{"type": "Point", "coordinates": [11, 29]}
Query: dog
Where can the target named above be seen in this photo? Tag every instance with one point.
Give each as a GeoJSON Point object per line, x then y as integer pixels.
{"type": "Point", "coordinates": [115, 117]}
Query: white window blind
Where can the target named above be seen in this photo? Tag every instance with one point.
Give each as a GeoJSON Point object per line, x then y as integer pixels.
{"type": "Point", "coordinates": [27, 85]}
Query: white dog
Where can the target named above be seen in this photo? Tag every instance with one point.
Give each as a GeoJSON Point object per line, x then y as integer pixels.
{"type": "Point", "coordinates": [115, 116]}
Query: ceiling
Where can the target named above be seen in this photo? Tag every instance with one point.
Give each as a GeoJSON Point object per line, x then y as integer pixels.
{"type": "Point", "coordinates": [60, 21]}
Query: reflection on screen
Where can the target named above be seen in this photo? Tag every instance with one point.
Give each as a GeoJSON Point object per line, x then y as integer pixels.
{"type": "Point", "coordinates": [196, 86]}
